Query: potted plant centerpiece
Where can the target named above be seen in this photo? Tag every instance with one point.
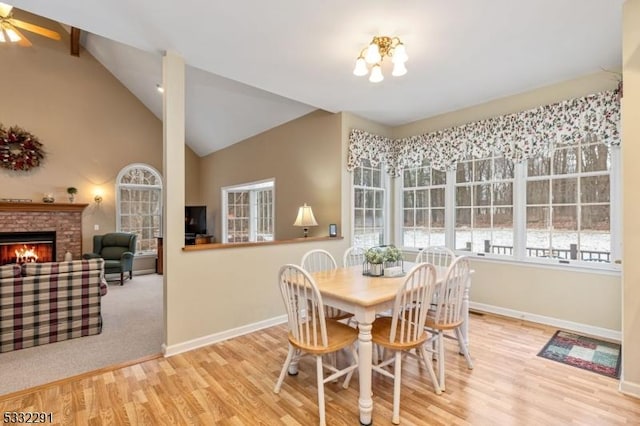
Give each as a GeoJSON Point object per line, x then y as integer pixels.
{"type": "Point", "coordinates": [379, 257]}
{"type": "Point", "coordinates": [72, 193]}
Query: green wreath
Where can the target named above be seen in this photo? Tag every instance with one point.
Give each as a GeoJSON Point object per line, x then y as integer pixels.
{"type": "Point", "coordinates": [19, 149]}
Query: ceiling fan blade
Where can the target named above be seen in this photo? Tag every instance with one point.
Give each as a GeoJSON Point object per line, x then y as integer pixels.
{"type": "Point", "coordinates": [24, 42]}
{"type": "Point", "coordinates": [35, 29]}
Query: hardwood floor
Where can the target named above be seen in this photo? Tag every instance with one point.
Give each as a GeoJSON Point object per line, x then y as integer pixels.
{"type": "Point", "coordinates": [231, 383]}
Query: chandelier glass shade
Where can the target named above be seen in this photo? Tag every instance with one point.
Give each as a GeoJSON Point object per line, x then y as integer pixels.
{"type": "Point", "coordinates": [370, 59]}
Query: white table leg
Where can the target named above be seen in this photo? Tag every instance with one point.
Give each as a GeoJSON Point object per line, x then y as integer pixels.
{"type": "Point", "coordinates": [365, 353]}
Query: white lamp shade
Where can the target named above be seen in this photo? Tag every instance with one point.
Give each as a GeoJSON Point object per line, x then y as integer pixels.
{"type": "Point", "coordinates": [399, 69]}
{"type": "Point", "coordinates": [373, 54]}
{"type": "Point", "coordinates": [399, 54]}
{"type": "Point", "coordinates": [361, 67]}
{"type": "Point", "coordinates": [1, 36]}
{"type": "Point", "coordinates": [305, 217]}
{"type": "Point", "coordinates": [376, 74]}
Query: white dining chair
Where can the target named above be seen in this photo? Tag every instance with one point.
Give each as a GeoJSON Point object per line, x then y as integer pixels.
{"type": "Point", "coordinates": [317, 260]}
{"type": "Point", "coordinates": [439, 256]}
{"type": "Point", "coordinates": [310, 333]}
{"type": "Point", "coordinates": [353, 256]}
{"type": "Point", "coordinates": [404, 331]}
{"type": "Point", "coordinates": [447, 316]}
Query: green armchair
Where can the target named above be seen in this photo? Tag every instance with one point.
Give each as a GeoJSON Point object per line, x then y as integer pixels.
{"type": "Point", "coordinates": [117, 249]}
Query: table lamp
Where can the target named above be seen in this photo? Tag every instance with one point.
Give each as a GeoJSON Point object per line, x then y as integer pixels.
{"type": "Point", "coordinates": [305, 218]}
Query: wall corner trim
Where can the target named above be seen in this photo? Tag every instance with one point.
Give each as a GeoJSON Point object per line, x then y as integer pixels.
{"type": "Point", "coordinates": [189, 345]}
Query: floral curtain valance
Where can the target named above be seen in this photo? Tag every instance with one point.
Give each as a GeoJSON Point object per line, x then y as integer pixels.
{"type": "Point", "coordinates": [517, 136]}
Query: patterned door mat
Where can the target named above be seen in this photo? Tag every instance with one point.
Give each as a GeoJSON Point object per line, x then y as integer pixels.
{"type": "Point", "coordinates": [584, 352]}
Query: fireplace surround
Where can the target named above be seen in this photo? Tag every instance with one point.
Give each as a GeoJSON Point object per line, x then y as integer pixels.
{"type": "Point", "coordinates": [64, 220]}
{"type": "Point", "coordinates": [27, 247]}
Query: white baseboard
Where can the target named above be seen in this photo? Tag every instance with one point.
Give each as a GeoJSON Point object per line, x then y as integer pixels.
{"type": "Point", "coordinates": [629, 388]}
{"type": "Point", "coordinates": [219, 337]}
{"type": "Point", "coordinates": [560, 323]}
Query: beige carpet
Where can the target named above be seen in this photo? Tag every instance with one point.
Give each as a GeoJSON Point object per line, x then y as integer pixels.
{"type": "Point", "coordinates": [132, 329]}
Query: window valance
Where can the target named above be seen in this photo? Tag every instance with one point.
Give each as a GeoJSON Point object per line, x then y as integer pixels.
{"type": "Point", "coordinates": [517, 136]}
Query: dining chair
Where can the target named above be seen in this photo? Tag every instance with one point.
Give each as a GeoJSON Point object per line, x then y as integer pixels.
{"type": "Point", "coordinates": [448, 314]}
{"type": "Point", "coordinates": [311, 333]}
{"type": "Point", "coordinates": [436, 255]}
{"type": "Point", "coordinates": [404, 330]}
{"type": "Point", "coordinates": [353, 256]}
{"type": "Point", "coordinates": [318, 260]}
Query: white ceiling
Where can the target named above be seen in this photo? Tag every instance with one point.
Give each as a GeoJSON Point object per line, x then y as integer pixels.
{"type": "Point", "coordinates": [255, 64]}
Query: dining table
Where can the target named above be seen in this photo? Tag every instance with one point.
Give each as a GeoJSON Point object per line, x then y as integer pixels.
{"type": "Point", "coordinates": [365, 297]}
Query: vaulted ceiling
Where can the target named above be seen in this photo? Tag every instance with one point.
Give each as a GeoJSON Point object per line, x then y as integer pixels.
{"type": "Point", "coordinates": [254, 64]}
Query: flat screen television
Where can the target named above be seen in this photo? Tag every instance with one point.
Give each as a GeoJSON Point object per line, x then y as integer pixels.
{"type": "Point", "coordinates": [195, 222]}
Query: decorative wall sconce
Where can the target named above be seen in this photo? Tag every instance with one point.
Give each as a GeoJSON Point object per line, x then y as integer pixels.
{"type": "Point", "coordinates": [97, 197]}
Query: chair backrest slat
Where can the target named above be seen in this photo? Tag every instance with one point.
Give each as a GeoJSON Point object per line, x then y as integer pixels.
{"type": "Point", "coordinates": [318, 260]}
{"type": "Point", "coordinates": [412, 304]}
{"type": "Point", "coordinates": [353, 256]}
{"type": "Point", "coordinates": [303, 302]}
{"type": "Point", "coordinates": [436, 255]}
{"type": "Point", "coordinates": [451, 292]}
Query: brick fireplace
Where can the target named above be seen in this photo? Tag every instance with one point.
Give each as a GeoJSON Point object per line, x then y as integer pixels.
{"type": "Point", "coordinates": [65, 220]}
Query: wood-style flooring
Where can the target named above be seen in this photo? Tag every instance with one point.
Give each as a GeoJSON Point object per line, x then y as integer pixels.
{"type": "Point", "coordinates": [231, 383]}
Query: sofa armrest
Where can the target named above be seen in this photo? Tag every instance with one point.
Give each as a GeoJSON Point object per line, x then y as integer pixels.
{"type": "Point", "coordinates": [91, 256]}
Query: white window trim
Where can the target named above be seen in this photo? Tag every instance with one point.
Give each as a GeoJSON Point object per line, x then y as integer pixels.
{"type": "Point", "coordinates": [251, 186]}
{"type": "Point", "coordinates": [122, 172]}
{"type": "Point", "coordinates": [388, 211]}
{"type": "Point", "coordinates": [519, 215]}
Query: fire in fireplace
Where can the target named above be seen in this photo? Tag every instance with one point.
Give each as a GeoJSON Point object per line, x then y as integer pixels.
{"type": "Point", "coordinates": [26, 247]}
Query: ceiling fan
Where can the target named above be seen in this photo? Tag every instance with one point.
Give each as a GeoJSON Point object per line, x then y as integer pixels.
{"type": "Point", "coordinates": [9, 25]}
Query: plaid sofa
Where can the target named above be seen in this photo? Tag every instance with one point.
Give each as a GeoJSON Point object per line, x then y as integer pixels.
{"type": "Point", "coordinates": [43, 303]}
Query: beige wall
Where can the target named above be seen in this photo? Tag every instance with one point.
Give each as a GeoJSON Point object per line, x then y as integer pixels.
{"type": "Point", "coordinates": [631, 199]}
{"type": "Point", "coordinates": [304, 158]}
{"type": "Point", "coordinates": [90, 125]}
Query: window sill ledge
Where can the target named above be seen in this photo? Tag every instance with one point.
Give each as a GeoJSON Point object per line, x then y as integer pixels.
{"type": "Point", "coordinates": [607, 269]}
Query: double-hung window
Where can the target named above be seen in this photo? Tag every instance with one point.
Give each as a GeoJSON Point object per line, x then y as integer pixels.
{"type": "Point", "coordinates": [555, 207]}
{"type": "Point", "coordinates": [369, 205]}
{"type": "Point", "coordinates": [484, 205]}
{"type": "Point", "coordinates": [423, 207]}
{"type": "Point", "coordinates": [249, 212]}
{"type": "Point", "coordinates": [569, 203]}
{"type": "Point", "coordinates": [139, 203]}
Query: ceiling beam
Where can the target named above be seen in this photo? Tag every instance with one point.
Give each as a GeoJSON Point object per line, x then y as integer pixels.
{"type": "Point", "coordinates": [75, 41]}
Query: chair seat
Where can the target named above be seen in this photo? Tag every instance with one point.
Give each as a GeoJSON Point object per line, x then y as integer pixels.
{"type": "Point", "coordinates": [380, 335]}
{"type": "Point", "coordinates": [113, 265]}
{"type": "Point", "coordinates": [339, 336]}
{"type": "Point", "coordinates": [431, 323]}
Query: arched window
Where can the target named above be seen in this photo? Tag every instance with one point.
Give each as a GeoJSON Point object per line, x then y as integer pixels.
{"type": "Point", "coordinates": [139, 204]}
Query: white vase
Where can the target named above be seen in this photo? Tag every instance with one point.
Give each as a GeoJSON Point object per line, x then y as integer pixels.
{"type": "Point", "coordinates": [68, 257]}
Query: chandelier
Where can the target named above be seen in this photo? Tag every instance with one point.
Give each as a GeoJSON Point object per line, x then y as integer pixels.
{"type": "Point", "coordinates": [374, 54]}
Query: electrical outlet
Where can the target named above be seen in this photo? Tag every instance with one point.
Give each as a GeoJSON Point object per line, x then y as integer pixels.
{"type": "Point", "coordinates": [96, 227]}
